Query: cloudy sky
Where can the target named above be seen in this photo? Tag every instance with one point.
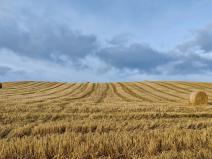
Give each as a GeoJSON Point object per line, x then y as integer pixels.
{"type": "Point", "coordinates": [105, 40]}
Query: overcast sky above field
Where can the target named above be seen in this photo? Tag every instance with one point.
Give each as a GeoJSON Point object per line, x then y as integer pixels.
{"type": "Point", "coordinates": [105, 40]}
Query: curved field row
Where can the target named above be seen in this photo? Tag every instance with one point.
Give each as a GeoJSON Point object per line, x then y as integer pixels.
{"type": "Point", "coordinates": [194, 87]}
{"type": "Point", "coordinates": [91, 94]}
{"type": "Point", "coordinates": [175, 86]}
{"type": "Point", "coordinates": [183, 89]}
{"type": "Point", "coordinates": [54, 90]}
{"type": "Point", "coordinates": [167, 93]}
{"type": "Point", "coordinates": [86, 93]}
{"type": "Point", "coordinates": [21, 84]}
{"type": "Point", "coordinates": [112, 95]}
{"type": "Point", "coordinates": [51, 92]}
{"type": "Point", "coordinates": [41, 89]}
{"type": "Point", "coordinates": [103, 93]}
{"type": "Point", "coordinates": [57, 101]}
{"type": "Point", "coordinates": [187, 87]}
{"type": "Point", "coordinates": [29, 85]}
{"type": "Point", "coordinates": [69, 91]}
{"type": "Point", "coordinates": [145, 90]}
{"type": "Point", "coordinates": [170, 91]}
{"type": "Point", "coordinates": [39, 92]}
{"type": "Point", "coordinates": [207, 85]}
{"type": "Point", "coordinates": [168, 87]}
{"type": "Point", "coordinates": [34, 89]}
{"type": "Point", "coordinates": [96, 95]}
{"type": "Point", "coordinates": [117, 92]}
{"type": "Point", "coordinates": [132, 92]}
{"type": "Point", "coordinates": [197, 86]}
{"type": "Point", "coordinates": [157, 92]}
{"type": "Point", "coordinates": [40, 98]}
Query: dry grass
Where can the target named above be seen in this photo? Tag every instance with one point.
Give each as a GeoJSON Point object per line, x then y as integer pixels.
{"type": "Point", "coordinates": [108, 120]}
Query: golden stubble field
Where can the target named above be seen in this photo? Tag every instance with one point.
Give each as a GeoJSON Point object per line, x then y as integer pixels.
{"type": "Point", "coordinates": [147, 119]}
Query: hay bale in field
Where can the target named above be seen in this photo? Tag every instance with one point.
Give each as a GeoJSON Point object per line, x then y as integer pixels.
{"type": "Point", "coordinates": [198, 98]}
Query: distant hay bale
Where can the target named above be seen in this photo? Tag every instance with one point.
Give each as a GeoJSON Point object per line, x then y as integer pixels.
{"type": "Point", "coordinates": [198, 98]}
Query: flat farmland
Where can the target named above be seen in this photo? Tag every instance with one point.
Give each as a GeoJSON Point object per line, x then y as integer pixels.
{"type": "Point", "coordinates": [127, 120]}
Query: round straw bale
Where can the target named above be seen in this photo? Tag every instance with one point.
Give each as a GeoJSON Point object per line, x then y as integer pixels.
{"type": "Point", "coordinates": [198, 98]}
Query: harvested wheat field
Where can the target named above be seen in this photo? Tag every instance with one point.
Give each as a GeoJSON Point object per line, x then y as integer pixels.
{"type": "Point", "coordinates": [109, 120]}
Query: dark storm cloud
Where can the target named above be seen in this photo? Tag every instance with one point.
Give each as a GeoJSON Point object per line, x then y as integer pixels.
{"type": "Point", "coordinates": [190, 65]}
{"type": "Point", "coordinates": [134, 56]}
{"type": "Point", "coordinates": [192, 57]}
{"type": "Point", "coordinates": [204, 39]}
{"type": "Point", "coordinates": [195, 56]}
{"type": "Point", "coordinates": [31, 30]}
{"type": "Point", "coordinates": [4, 70]}
{"type": "Point", "coordinates": [46, 41]}
{"type": "Point", "coordinates": [28, 33]}
{"type": "Point", "coordinates": [52, 42]}
{"type": "Point", "coordinates": [201, 42]}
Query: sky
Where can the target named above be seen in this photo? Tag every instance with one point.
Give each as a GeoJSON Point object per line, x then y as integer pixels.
{"type": "Point", "coordinates": [105, 40]}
